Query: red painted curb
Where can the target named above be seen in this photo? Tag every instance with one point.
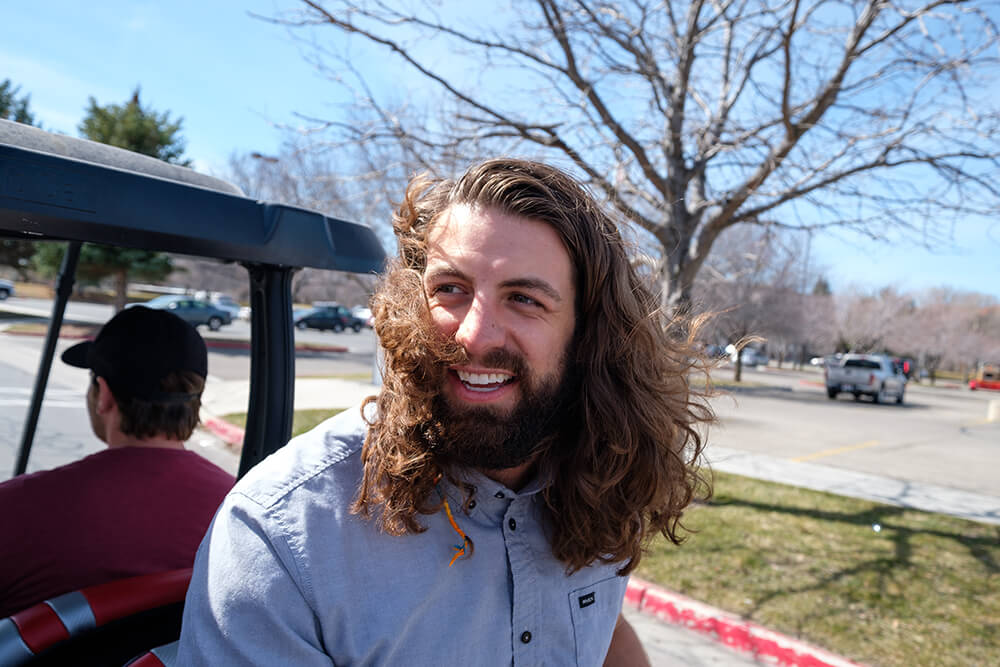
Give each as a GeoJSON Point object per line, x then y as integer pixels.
{"type": "Point", "coordinates": [228, 433]}
{"type": "Point", "coordinates": [728, 628]}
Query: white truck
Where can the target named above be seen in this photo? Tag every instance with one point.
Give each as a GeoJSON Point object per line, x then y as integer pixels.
{"type": "Point", "coordinates": [875, 375]}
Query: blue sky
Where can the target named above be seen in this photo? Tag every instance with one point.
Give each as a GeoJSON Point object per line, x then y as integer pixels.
{"type": "Point", "coordinates": [234, 78]}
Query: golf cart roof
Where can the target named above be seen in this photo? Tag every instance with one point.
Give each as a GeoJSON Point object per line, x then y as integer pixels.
{"type": "Point", "coordinates": [59, 188]}
{"type": "Point", "coordinates": [54, 187]}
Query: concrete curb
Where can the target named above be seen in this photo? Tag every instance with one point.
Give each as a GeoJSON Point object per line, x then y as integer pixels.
{"type": "Point", "coordinates": [676, 609]}
{"type": "Point", "coordinates": [727, 628]}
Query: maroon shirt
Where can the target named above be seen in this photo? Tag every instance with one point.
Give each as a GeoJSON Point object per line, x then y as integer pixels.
{"type": "Point", "coordinates": [114, 514]}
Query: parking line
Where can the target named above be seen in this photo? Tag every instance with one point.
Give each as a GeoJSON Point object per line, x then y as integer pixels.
{"type": "Point", "coordinates": [839, 450]}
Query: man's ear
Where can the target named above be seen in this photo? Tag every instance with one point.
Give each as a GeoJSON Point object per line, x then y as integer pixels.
{"type": "Point", "coordinates": [105, 399]}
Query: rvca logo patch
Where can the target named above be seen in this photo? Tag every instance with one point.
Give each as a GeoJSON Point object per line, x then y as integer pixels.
{"type": "Point", "coordinates": [587, 600]}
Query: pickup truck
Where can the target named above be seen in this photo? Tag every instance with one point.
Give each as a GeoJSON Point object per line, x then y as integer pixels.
{"type": "Point", "coordinates": [874, 375]}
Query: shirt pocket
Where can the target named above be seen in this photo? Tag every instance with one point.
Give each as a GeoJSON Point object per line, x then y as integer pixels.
{"type": "Point", "coordinates": [594, 609]}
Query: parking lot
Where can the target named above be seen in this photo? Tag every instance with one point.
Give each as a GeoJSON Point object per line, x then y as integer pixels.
{"type": "Point", "coordinates": [938, 436]}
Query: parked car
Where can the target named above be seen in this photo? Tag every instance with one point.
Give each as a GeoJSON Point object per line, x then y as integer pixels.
{"type": "Point", "coordinates": [713, 351]}
{"type": "Point", "coordinates": [987, 377]}
{"type": "Point", "coordinates": [226, 303]}
{"type": "Point", "coordinates": [875, 375]}
{"type": "Point", "coordinates": [333, 318]}
{"type": "Point", "coordinates": [192, 311]}
{"type": "Point", "coordinates": [364, 313]}
{"type": "Point", "coordinates": [6, 289]}
{"type": "Point", "coordinates": [160, 301]}
{"type": "Point", "coordinates": [752, 357]}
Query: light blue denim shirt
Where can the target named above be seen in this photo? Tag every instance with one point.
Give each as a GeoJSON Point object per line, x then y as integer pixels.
{"type": "Point", "coordinates": [287, 575]}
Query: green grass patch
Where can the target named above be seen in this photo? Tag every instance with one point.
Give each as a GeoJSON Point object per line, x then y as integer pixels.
{"type": "Point", "coordinates": [876, 583]}
{"type": "Point", "coordinates": [723, 383]}
{"type": "Point", "coordinates": [360, 376]}
{"type": "Point", "coordinates": [41, 328]}
{"type": "Point", "coordinates": [302, 421]}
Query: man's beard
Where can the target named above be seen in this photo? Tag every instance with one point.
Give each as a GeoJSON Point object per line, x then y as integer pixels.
{"type": "Point", "coordinates": [482, 438]}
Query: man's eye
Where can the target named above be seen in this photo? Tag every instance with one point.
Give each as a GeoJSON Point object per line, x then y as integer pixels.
{"type": "Point", "coordinates": [446, 289]}
{"type": "Point", "coordinates": [527, 300]}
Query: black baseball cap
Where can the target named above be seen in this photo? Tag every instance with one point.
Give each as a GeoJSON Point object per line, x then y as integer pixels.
{"type": "Point", "coordinates": [137, 348]}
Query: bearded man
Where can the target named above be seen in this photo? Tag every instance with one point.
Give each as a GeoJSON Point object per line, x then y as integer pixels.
{"type": "Point", "coordinates": [535, 428]}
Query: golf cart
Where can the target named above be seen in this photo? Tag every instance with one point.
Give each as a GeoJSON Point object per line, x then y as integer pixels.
{"type": "Point", "coordinates": [56, 188]}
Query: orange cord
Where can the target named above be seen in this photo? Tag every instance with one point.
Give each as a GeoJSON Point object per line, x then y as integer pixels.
{"type": "Point", "coordinates": [459, 548]}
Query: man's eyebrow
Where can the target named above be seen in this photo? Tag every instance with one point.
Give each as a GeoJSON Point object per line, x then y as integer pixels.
{"type": "Point", "coordinates": [444, 272]}
{"type": "Point", "coordinates": [534, 284]}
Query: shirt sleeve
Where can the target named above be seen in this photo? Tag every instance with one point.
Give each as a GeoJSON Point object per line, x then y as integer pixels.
{"type": "Point", "coordinates": [246, 604]}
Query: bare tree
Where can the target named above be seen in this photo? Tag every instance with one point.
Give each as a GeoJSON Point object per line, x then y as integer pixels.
{"type": "Point", "coordinates": [818, 324]}
{"type": "Point", "coordinates": [307, 172]}
{"type": "Point", "coordinates": [871, 321]}
{"type": "Point", "coordinates": [952, 329]}
{"type": "Point", "coordinates": [692, 117]}
{"type": "Point", "coordinates": [749, 281]}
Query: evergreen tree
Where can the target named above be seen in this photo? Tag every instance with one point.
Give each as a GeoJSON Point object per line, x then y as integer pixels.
{"type": "Point", "coordinates": [13, 107]}
{"type": "Point", "coordinates": [822, 287]}
{"type": "Point", "coordinates": [142, 130]}
{"type": "Point", "coordinates": [134, 128]}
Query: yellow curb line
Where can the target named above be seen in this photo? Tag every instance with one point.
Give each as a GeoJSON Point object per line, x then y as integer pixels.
{"type": "Point", "coordinates": [839, 450]}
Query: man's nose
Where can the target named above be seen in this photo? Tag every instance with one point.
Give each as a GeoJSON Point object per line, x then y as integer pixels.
{"type": "Point", "coordinates": [480, 330]}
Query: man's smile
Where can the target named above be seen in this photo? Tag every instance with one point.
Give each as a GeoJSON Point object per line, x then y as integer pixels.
{"type": "Point", "coordinates": [484, 381]}
{"type": "Point", "coordinates": [482, 386]}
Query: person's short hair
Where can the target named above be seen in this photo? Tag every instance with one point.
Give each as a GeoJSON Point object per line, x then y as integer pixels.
{"type": "Point", "coordinates": [155, 365]}
{"type": "Point", "coordinates": [176, 419]}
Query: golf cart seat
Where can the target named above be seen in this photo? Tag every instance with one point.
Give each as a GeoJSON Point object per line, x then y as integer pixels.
{"type": "Point", "coordinates": [161, 656]}
{"type": "Point", "coordinates": [106, 624]}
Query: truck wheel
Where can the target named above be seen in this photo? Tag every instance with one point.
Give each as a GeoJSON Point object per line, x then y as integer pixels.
{"type": "Point", "coordinates": [880, 396]}
{"type": "Point", "coordinates": [899, 399]}
{"type": "Point", "coordinates": [214, 323]}
{"type": "Point", "coordinates": [301, 326]}
{"type": "Point", "coordinates": [4, 293]}
{"type": "Point", "coordinates": [831, 393]}
{"type": "Point", "coordinates": [338, 327]}
{"type": "Point", "coordinates": [356, 327]}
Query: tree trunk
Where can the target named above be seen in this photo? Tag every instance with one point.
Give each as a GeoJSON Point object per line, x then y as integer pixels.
{"type": "Point", "coordinates": [738, 370]}
{"type": "Point", "coordinates": [121, 289]}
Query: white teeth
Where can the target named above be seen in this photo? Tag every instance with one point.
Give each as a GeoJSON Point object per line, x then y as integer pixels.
{"type": "Point", "coordinates": [481, 379]}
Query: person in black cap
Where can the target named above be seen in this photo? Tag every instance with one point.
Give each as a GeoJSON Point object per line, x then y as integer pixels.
{"type": "Point", "coordinates": [138, 507]}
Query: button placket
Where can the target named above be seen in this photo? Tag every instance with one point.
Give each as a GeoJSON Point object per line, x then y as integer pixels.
{"type": "Point", "coordinates": [526, 610]}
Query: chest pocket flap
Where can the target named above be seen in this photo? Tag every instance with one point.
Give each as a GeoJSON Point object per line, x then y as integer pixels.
{"type": "Point", "coordinates": [595, 610]}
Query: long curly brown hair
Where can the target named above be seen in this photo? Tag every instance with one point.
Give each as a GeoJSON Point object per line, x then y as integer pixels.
{"type": "Point", "coordinates": [626, 464]}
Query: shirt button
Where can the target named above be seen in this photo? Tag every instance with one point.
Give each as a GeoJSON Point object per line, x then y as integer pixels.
{"type": "Point", "coordinates": [499, 494]}
{"type": "Point", "coordinates": [525, 637]}
{"type": "Point", "coordinates": [513, 526]}
{"type": "Point", "coordinates": [472, 504]}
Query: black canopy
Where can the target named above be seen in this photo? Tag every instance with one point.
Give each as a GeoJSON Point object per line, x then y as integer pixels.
{"type": "Point", "coordinates": [54, 187]}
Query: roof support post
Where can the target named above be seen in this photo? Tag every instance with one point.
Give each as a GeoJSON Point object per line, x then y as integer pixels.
{"type": "Point", "coordinates": [64, 288]}
{"type": "Point", "coordinates": [272, 364]}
